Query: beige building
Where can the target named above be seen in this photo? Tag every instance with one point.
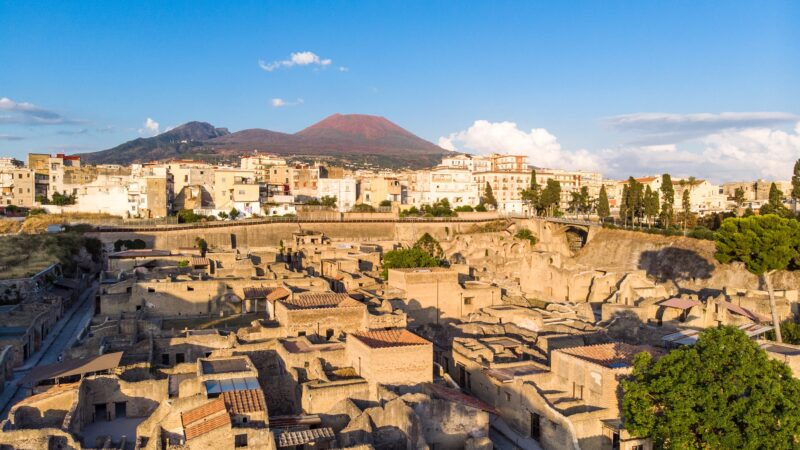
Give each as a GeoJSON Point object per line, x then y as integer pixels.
{"type": "Point", "coordinates": [236, 189]}
{"type": "Point", "coordinates": [376, 189]}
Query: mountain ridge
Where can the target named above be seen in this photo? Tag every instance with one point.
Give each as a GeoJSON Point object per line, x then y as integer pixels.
{"type": "Point", "coordinates": [339, 136]}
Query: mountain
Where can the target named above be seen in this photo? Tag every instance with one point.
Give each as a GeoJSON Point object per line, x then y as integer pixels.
{"type": "Point", "coordinates": [169, 144]}
{"type": "Point", "coordinates": [342, 137]}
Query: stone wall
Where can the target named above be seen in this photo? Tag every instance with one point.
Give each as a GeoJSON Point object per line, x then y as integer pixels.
{"type": "Point", "coordinates": [391, 366]}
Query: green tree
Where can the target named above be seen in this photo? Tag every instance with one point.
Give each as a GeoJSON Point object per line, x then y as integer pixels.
{"type": "Point", "coordinates": [586, 202]}
{"type": "Point", "coordinates": [525, 234]}
{"type": "Point", "coordinates": [363, 208]}
{"type": "Point", "coordinates": [738, 198]}
{"type": "Point", "coordinates": [532, 195]}
{"type": "Point", "coordinates": [407, 258]}
{"type": "Point", "coordinates": [385, 203]}
{"type": "Point", "coordinates": [575, 202]}
{"type": "Point", "coordinates": [430, 245]}
{"type": "Point", "coordinates": [328, 200]}
{"type": "Point", "coordinates": [764, 244]}
{"type": "Point", "coordinates": [603, 209]}
{"type": "Point", "coordinates": [723, 392]}
{"type": "Point", "coordinates": [668, 201]}
{"type": "Point", "coordinates": [686, 204]}
{"type": "Point", "coordinates": [651, 204]}
{"type": "Point", "coordinates": [488, 196]}
{"type": "Point", "coordinates": [623, 205]}
{"type": "Point", "coordinates": [775, 203]}
{"type": "Point", "coordinates": [234, 213]}
{"type": "Point", "coordinates": [551, 197]}
{"type": "Point", "coordinates": [201, 245]}
{"type": "Point", "coordinates": [796, 185]}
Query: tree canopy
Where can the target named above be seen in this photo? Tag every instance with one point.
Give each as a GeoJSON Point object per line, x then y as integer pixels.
{"type": "Point", "coordinates": [430, 245]}
{"type": "Point", "coordinates": [667, 200]}
{"type": "Point", "coordinates": [408, 258]}
{"type": "Point", "coordinates": [603, 209]}
{"type": "Point", "coordinates": [724, 392]}
{"type": "Point", "coordinates": [762, 243]}
{"type": "Point", "coordinates": [488, 196]}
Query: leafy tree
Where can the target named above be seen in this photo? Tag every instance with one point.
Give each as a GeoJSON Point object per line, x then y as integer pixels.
{"type": "Point", "coordinates": [686, 203]}
{"type": "Point", "coordinates": [738, 198]}
{"type": "Point", "coordinates": [796, 185]}
{"type": "Point", "coordinates": [408, 258]}
{"type": "Point", "coordinates": [385, 203]}
{"type": "Point", "coordinates": [127, 244]}
{"type": "Point", "coordinates": [189, 216]}
{"type": "Point", "coordinates": [623, 205]}
{"type": "Point", "coordinates": [724, 392]}
{"type": "Point", "coordinates": [363, 208]}
{"type": "Point", "coordinates": [328, 200]}
{"type": "Point", "coordinates": [603, 210]}
{"type": "Point", "coordinates": [201, 245]}
{"type": "Point", "coordinates": [575, 202]}
{"type": "Point", "coordinates": [62, 199]}
{"type": "Point", "coordinates": [790, 331]}
{"type": "Point", "coordinates": [668, 200]}
{"type": "Point", "coordinates": [430, 245]}
{"type": "Point", "coordinates": [480, 208]}
{"type": "Point", "coordinates": [234, 213]}
{"type": "Point", "coordinates": [775, 203]}
{"type": "Point", "coordinates": [532, 195]}
{"type": "Point", "coordinates": [585, 201]}
{"type": "Point", "coordinates": [464, 208]}
{"type": "Point", "coordinates": [651, 204]}
{"type": "Point", "coordinates": [525, 234]}
{"type": "Point", "coordinates": [223, 215]}
{"type": "Point", "coordinates": [551, 197]}
{"type": "Point", "coordinates": [764, 244]}
{"type": "Point", "coordinates": [488, 196]}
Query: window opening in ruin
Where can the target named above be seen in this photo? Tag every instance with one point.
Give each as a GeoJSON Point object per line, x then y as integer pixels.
{"type": "Point", "coordinates": [535, 430]}
{"type": "Point", "coordinates": [189, 288]}
{"type": "Point", "coordinates": [328, 334]}
{"type": "Point", "coordinates": [100, 412]}
{"type": "Point", "coordinates": [467, 300]}
{"type": "Point", "coordinates": [165, 359]}
{"type": "Point", "coordinates": [179, 358]}
{"type": "Point", "coordinates": [241, 440]}
{"type": "Point", "coordinates": [119, 409]}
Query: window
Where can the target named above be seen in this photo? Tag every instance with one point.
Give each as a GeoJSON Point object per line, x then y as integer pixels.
{"type": "Point", "coordinates": [638, 447]}
{"type": "Point", "coordinates": [189, 288]}
{"type": "Point", "coordinates": [241, 440]}
{"type": "Point", "coordinates": [467, 300]}
{"type": "Point", "coordinates": [179, 358]}
{"type": "Point", "coordinates": [508, 396]}
{"type": "Point", "coordinates": [165, 359]}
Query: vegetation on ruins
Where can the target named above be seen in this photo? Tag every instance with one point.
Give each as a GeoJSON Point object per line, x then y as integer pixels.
{"type": "Point", "coordinates": [738, 198]}
{"type": "Point", "coordinates": [128, 244]}
{"type": "Point", "coordinates": [494, 226]}
{"type": "Point", "coordinates": [25, 255]}
{"type": "Point", "coordinates": [408, 258]}
{"type": "Point", "coordinates": [526, 235]}
{"type": "Point", "coordinates": [385, 203]}
{"type": "Point", "coordinates": [58, 199]}
{"type": "Point", "coordinates": [189, 216]}
{"type": "Point", "coordinates": [765, 244]}
{"type": "Point", "coordinates": [430, 245]}
{"type": "Point", "coordinates": [790, 331]}
{"type": "Point", "coordinates": [201, 245]}
{"type": "Point", "coordinates": [722, 392]}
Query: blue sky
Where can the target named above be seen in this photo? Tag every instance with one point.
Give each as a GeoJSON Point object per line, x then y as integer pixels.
{"type": "Point", "coordinates": [623, 87]}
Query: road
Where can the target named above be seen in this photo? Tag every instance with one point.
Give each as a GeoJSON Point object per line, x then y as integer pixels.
{"type": "Point", "coordinates": [62, 337]}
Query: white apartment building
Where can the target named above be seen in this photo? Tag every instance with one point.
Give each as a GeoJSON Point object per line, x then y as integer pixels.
{"type": "Point", "coordinates": [262, 164]}
{"type": "Point", "coordinates": [344, 189]}
{"type": "Point", "coordinates": [236, 188]}
{"type": "Point", "coordinates": [456, 184]}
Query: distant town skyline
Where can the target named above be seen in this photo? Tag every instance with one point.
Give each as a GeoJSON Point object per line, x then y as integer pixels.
{"type": "Point", "coordinates": [626, 88]}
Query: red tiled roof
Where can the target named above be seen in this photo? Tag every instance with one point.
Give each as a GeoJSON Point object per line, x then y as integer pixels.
{"type": "Point", "coordinates": [278, 294]}
{"type": "Point", "coordinates": [201, 428]}
{"type": "Point", "coordinates": [205, 418]}
{"type": "Point", "coordinates": [389, 338]}
{"type": "Point", "coordinates": [258, 291]}
{"type": "Point", "coordinates": [245, 401]}
{"type": "Point", "coordinates": [199, 262]}
{"type": "Point", "coordinates": [322, 300]}
{"type": "Point", "coordinates": [680, 303]}
{"type": "Point", "coordinates": [454, 395]}
{"type": "Point", "coordinates": [202, 412]}
{"type": "Point", "coordinates": [614, 355]}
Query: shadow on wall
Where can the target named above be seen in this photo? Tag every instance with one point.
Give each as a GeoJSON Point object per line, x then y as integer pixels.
{"type": "Point", "coordinates": [675, 264]}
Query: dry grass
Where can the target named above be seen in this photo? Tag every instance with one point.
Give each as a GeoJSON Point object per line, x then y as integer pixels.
{"type": "Point", "coordinates": [8, 226]}
{"type": "Point", "coordinates": [39, 222]}
{"type": "Point", "coordinates": [24, 255]}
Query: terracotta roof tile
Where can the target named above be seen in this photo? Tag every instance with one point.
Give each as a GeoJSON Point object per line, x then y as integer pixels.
{"type": "Point", "coordinates": [613, 355]}
{"type": "Point", "coordinates": [321, 300]}
{"type": "Point", "coordinates": [277, 294]}
{"type": "Point", "coordinates": [246, 401]}
{"type": "Point", "coordinates": [302, 437]}
{"type": "Point", "coordinates": [206, 426]}
{"type": "Point", "coordinates": [389, 338]}
{"type": "Point", "coordinates": [202, 412]}
{"type": "Point", "coordinates": [199, 262]}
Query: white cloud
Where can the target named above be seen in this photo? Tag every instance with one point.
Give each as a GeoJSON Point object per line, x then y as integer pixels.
{"type": "Point", "coordinates": [150, 127]}
{"type": "Point", "coordinates": [8, 137]}
{"type": "Point", "coordinates": [296, 59]}
{"type": "Point", "coordinates": [728, 155]}
{"type": "Point", "coordinates": [280, 103]}
{"type": "Point", "coordinates": [24, 113]}
{"type": "Point", "coordinates": [539, 145]}
{"type": "Point", "coordinates": [650, 128]}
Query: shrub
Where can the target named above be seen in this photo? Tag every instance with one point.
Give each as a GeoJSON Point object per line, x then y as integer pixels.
{"type": "Point", "coordinates": [525, 234]}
